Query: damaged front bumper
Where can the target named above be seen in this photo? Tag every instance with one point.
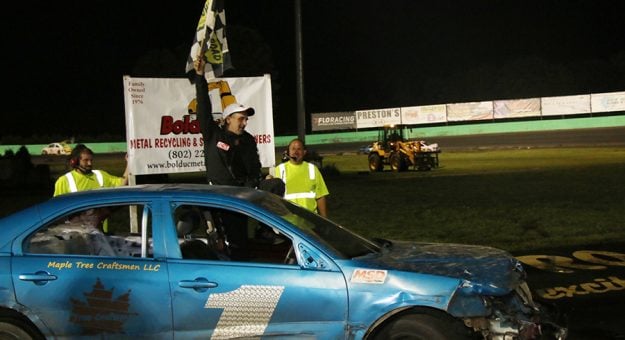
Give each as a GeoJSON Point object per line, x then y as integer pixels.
{"type": "Point", "coordinates": [515, 316]}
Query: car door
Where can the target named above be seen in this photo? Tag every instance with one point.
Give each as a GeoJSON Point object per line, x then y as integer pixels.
{"type": "Point", "coordinates": [260, 295]}
{"type": "Point", "coordinates": [87, 284]}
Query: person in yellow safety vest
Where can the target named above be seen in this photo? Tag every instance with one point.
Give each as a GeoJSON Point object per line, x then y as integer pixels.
{"type": "Point", "coordinates": [303, 181]}
{"type": "Point", "coordinates": [82, 176]}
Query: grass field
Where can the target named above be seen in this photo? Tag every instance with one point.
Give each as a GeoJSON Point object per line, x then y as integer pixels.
{"type": "Point", "coordinates": [511, 199]}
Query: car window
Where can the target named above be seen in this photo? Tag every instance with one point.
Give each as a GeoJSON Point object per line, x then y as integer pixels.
{"type": "Point", "coordinates": [343, 242]}
{"type": "Point", "coordinates": [209, 233]}
{"type": "Point", "coordinates": [96, 231]}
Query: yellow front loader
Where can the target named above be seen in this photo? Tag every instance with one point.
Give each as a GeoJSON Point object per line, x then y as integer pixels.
{"type": "Point", "coordinates": [400, 154]}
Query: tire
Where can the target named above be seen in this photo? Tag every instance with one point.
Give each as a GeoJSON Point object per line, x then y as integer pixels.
{"type": "Point", "coordinates": [397, 162]}
{"type": "Point", "coordinates": [422, 327]}
{"type": "Point", "coordinates": [44, 152]}
{"type": "Point", "coordinates": [423, 162]}
{"type": "Point", "coordinates": [15, 328]}
{"type": "Point", "coordinates": [375, 162]}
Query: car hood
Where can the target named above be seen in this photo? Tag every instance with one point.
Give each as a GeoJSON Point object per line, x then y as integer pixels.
{"type": "Point", "coordinates": [484, 270]}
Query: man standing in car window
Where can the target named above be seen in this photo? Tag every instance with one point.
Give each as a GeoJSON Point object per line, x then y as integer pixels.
{"type": "Point", "coordinates": [230, 153]}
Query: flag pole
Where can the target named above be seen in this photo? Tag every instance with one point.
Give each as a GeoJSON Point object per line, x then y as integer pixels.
{"type": "Point", "coordinates": [200, 55]}
{"type": "Point", "coordinates": [301, 113]}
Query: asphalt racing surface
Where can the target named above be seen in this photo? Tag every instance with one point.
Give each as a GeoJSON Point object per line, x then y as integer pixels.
{"type": "Point", "coordinates": [613, 136]}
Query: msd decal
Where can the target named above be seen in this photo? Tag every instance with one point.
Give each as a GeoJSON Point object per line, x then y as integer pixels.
{"type": "Point", "coordinates": [369, 276]}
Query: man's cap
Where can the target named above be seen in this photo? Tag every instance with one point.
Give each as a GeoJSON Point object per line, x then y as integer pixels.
{"type": "Point", "coordinates": [236, 107]}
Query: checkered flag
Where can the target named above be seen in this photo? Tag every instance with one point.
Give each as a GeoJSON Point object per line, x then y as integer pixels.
{"type": "Point", "coordinates": [210, 41]}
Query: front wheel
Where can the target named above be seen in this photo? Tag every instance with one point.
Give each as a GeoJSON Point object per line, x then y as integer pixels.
{"type": "Point", "coordinates": [422, 327]}
{"type": "Point", "coordinates": [17, 329]}
{"type": "Point", "coordinates": [397, 162]}
{"type": "Point", "coordinates": [375, 162]}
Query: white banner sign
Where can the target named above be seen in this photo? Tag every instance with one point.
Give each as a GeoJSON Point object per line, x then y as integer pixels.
{"type": "Point", "coordinates": [517, 108]}
{"type": "Point", "coordinates": [424, 114]}
{"type": "Point", "coordinates": [470, 111]}
{"type": "Point", "coordinates": [163, 137]}
{"type": "Point", "coordinates": [606, 102]}
{"type": "Point", "coordinates": [376, 118]}
{"type": "Point", "coordinates": [565, 105]}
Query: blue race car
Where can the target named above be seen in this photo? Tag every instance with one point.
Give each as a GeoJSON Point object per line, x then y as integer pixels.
{"type": "Point", "coordinates": [196, 261]}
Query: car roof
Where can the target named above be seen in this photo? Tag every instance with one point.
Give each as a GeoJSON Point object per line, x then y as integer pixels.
{"type": "Point", "coordinates": [53, 206]}
{"type": "Point", "coordinates": [147, 190]}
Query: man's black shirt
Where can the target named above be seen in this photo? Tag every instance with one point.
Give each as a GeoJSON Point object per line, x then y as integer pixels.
{"type": "Point", "coordinates": [230, 159]}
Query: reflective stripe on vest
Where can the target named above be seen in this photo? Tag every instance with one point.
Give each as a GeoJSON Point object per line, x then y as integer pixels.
{"type": "Point", "coordinates": [72, 183]}
{"type": "Point", "coordinates": [311, 174]}
{"type": "Point", "coordinates": [300, 195]}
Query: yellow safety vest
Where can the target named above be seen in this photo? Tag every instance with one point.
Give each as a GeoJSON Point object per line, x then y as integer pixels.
{"type": "Point", "coordinates": [72, 183]}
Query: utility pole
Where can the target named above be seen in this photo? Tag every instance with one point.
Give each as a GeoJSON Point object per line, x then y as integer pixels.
{"type": "Point", "coordinates": [299, 64]}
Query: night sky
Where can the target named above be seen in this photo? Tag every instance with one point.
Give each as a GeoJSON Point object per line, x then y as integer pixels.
{"type": "Point", "coordinates": [65, 60]}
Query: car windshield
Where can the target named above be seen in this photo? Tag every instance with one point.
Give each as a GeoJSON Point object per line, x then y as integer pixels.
{"type": "Point", "coordinates": [344, 242]}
